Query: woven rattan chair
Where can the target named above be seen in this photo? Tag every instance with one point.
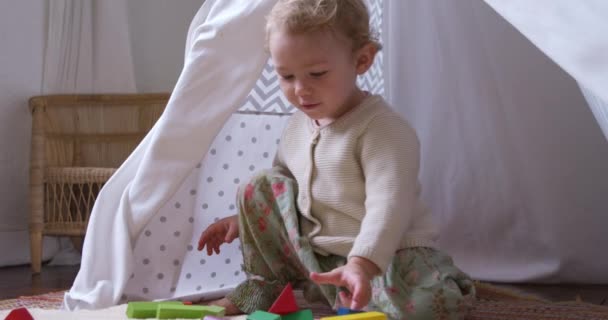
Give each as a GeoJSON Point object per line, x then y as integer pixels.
{"type": "Point", "coordinates": [78, 141]}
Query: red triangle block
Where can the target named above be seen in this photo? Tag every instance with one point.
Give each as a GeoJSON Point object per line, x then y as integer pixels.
{"type": "Point", "coordinates": [285, 303]}
{"type": "Point", "coordinates": [19, 314]}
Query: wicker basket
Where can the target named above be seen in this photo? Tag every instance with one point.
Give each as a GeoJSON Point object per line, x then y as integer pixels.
{"type": "Point", "coordinates": [78, 141]}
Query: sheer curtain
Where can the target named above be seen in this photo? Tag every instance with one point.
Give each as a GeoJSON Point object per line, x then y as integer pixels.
{"type": "Point", "coordinates": [87, 50]}
{"type": "Point", "coordinates": [513, 160]}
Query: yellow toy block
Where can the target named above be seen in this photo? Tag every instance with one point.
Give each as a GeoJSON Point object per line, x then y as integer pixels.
{"type": "Point", "coordinates": [372, 315]}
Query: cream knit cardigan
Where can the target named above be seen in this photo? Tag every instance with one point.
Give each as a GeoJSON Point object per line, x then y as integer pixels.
{"type": "Point", "coordinates": [358, 182]}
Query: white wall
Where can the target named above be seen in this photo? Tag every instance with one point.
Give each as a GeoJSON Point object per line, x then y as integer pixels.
{"type": "Point", "coordinates": [21, 36]}
{"type": "Point", "coordinates": [20, 77]}
{"type": "Point", "coordinates": [158, 36]}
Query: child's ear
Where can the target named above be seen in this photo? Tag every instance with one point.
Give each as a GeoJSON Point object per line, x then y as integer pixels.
{"type": "Point", "coordinates": [365, 57]}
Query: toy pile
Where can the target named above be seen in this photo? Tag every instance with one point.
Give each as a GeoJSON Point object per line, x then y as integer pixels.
{"type": "Point", "coordinates": [284, 308]}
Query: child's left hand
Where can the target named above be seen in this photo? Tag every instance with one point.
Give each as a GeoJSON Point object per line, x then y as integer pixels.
{"type": "Point", "coordinates": [355, 276]}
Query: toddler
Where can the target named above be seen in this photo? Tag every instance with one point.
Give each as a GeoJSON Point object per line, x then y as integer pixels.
{"type": "Point", "coordinates": [340, 209]}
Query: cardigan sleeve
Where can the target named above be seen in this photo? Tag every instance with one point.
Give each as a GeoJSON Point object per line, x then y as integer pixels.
{"type": "Point", "coordinates": [389, 157]}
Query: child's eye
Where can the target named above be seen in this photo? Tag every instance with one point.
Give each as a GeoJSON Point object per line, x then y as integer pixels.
{"type": "Point", "coordinates": [318, 74]}
{"type": "Point", "coordinates": [287, 77]}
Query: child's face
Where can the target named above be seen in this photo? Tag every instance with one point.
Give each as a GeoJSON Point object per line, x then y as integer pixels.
{"type": "Point", "coordinates": [318, 72]}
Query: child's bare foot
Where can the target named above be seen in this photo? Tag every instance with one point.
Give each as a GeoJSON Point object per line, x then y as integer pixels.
{"type": "Point", "coordinates": [231, 309]}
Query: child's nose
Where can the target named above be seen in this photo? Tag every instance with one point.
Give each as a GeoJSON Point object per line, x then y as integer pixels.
{"type": "Point", "coordinates": [302, 89]}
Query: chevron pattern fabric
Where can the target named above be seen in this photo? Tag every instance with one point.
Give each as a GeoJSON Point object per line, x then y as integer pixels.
{"type": "Point", "coordinates": [266, 96]}
{"type": "Point", "coordinates": [373, 79]}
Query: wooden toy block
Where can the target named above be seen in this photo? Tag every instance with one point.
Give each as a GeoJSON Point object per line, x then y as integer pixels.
{"type": "Point", "coordinates": [305, 314]}
{"type": "Point", "coordinates": [173, 311]}
{"type": "Point", "coordinates": [145, 309]}
{"type": "Point", "coordinates": [372, 315]}
{"type": "Point", "coordinates": [285, 303]}
{"type": "Point", "coordinates": [344, 311]}
{"type": "Point", "coordinates": [263, 315]}
{"type": "Point", "coordinates": [19, 314]}
{"type": "Point", "coordinates": [214, 311]}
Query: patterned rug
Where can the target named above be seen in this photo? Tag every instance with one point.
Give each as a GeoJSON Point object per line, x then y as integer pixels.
{"type": "Point", "coordinates": [51, 300]}
{"type": "Point", "coordinates": [494, 303]}
{"type": "Point", "coordinates": [504, 304]}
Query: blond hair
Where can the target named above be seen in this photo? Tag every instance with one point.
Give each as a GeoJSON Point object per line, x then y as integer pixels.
{"type": "Point", "coordinates": [348, 17]}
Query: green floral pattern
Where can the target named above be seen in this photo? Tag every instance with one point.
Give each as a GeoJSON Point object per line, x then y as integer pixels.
{"type": "Point", "coordinates": [420, 283]}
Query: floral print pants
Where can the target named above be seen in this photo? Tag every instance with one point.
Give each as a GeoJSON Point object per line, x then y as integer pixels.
{"type": "Point", "coordinates": [420, 283]}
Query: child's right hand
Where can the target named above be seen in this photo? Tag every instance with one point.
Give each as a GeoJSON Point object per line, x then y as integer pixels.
{"type": "Point", "coordinates": [355, 276]}
{"type": "Point", "coordinates": [222, 231]}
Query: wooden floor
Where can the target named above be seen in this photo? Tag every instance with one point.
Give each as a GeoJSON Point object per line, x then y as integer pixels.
{"type": "Point", "coordinates": [596, 294]}
{"type": "Point", "coordinates": [18, 281]}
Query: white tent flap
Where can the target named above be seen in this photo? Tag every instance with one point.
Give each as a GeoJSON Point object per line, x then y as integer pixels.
{"type": "Point", "coordinates": [226, 48]}
{"type": "Point", "coordinates": [573, 34]}
{"type": "Point", "coordinates": [514, 166]}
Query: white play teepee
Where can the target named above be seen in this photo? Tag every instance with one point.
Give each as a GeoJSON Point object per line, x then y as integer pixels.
{"type": "Point", "coordinates": [490, 169]}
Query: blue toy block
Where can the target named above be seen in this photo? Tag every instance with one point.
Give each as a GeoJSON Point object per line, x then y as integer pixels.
{"type": "Point", "coordinates": [372, 315]}
{"type": "Point", "coordinates": [344, 311]}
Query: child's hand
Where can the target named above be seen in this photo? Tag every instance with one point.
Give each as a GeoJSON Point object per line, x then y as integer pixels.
{"type": "Point", "coordinates": [222, 231]}
{"type": "Point", "coordinates": [356, 277]}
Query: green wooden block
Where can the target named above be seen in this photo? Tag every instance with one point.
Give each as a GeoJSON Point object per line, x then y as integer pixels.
{"type": "Point", "coordinates": [214, 311]}
{"type": "Point", "coordinates": [305, 314]}
{"type": "Point", "coordinates": [263, 315]}
{"type": "Point", "coordinates": [145, 309]}
{"type": "Point", "coordinates": [172, 311]}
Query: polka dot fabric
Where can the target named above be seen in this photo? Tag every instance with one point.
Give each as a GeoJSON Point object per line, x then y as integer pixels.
{"type": "Point", "coordinates": [167, 262]}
